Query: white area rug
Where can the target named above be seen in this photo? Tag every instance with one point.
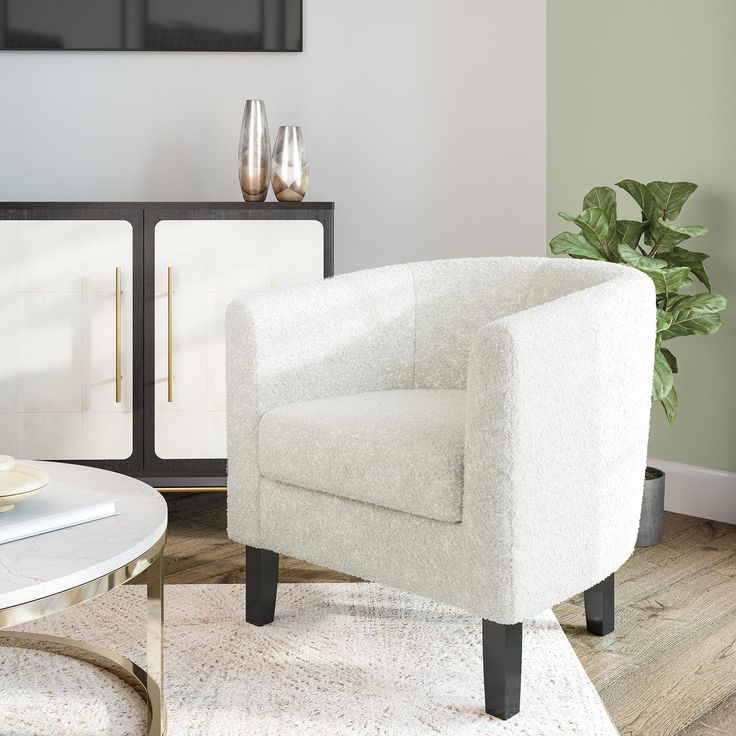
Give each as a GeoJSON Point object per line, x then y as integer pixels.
{"type": "Point", "coordinates": [351, 659]}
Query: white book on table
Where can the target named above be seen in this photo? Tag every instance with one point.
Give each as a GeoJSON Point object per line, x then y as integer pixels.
{"type": "Point", "coordinates": [56, 507]}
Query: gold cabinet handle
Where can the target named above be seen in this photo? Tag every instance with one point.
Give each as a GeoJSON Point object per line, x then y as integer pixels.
{"type": "Point", "coordinates": [118, 337]}
{"type": "Point", "coordinates": [171, 333]}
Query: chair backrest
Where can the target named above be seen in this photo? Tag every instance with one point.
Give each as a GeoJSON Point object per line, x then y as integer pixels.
{"type": "Point", "coordinates": [456, 297]}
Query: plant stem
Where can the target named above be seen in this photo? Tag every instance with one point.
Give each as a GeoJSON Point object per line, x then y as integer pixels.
{"type": "Point", "coordinates": [653, 252]}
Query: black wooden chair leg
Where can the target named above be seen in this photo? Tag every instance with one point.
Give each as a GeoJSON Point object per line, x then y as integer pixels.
{"type": "Point", "coordinates": [502, 668]}
{"type": "Point", "coordinates": [261, 581]}
{"type": "Point", "coordinates": [599, 607]}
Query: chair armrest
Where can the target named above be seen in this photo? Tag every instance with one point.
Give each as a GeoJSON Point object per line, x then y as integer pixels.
{"type": "Point", "coordinates": [558, 406]}
{"type": "Point", "coordinates": [345, 335]}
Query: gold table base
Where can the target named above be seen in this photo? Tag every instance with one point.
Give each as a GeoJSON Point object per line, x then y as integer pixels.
{"type": "Point", "coordinates": [149, 684]}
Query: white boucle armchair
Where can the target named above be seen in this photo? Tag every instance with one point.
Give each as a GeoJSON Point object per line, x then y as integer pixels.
{"type": "Point", "coordinates": [470, 430]}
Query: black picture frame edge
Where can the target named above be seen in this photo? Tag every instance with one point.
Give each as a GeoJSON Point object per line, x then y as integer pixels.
{"type": "Point", "coordinates": [295, 50]}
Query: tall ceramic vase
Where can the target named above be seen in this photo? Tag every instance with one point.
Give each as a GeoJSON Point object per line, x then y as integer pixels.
{"type": "Point", "coordinates": [289, 166]}
{"type": "Point", "coordinates": [254, 155]}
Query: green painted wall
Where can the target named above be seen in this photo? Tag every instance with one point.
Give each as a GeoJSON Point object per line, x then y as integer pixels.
{"type": "Point", "coordinates": [646, 89]}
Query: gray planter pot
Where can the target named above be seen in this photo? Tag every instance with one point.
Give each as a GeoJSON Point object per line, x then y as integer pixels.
{"type": "Point", "coordinates": [652, 509]}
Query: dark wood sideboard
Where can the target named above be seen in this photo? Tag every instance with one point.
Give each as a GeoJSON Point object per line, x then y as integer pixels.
{"type": "Point", "coordinates": [112, 325]}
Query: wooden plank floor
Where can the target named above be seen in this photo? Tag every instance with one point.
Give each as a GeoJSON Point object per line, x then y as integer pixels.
{"type": "Point", "coordinates": [670, 666]}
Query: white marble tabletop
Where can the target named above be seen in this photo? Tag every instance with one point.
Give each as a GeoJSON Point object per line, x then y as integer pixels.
{"type": "Point", "coordinates": [50, 563]}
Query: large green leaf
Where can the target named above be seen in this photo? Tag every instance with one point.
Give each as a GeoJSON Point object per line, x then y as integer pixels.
{"type": "Point", "coordinates": [603, 198]}
{"type": "Point", "coordinates": [693, 260]}
{"type": "Point", "coordinates": [668, 280]}
{"type": "Point", "coordinates": [663, 378]}
{"type": "Point", "coordinates": [567, 216]}
{"type": "Point", "coordinates": [594, 225]}
{"type": "Point", "coordinates": [640, 192]}
{"type": "Point", "coordinates": [669, 404]}
{"type": "Point", "coordinates": [669, 197]}
{"type": "Point", "coordinates": [670, 359]}
{"type": "Point", "coordinates": [664, 236]}
{"type": "Point", "coordinates": [629, 231]}
{"type": "Point", "coordinates": [689, 231]}
{"type": "Point", "coordinates": [664, 320]}
{"type": "Point", "coordinates": [644, 263]}
{"type": "Point", "coordinates": [691, 322]}
{"type": "Point", "coordinates": [600, 197]}
{"type": "Point", "coordinates": [574, 245]}
{"type": "Point", "coordinates": [703, 303]}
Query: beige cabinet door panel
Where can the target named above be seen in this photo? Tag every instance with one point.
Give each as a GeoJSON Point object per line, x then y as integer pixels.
{"type": "Point", "coordinates": [189, 359]}
{"type": "Point", "coordinates": [59, 381]}
{"type": "Point", "coordinates": [9, 433]}
{"type": "Point", "coordinates": [99, 351]}
{"type": "Point", "coordinates": [50, 256]}
{"type": "Point", "coordinates": [296, 253]}
{"type": "Point", "coordinates": [181, 434]}
{"type": "Point", "coordinates": [9, 238]}
{"type": "Point", "coordinates": [181, 245]}
{"type": "Point", "coordinates": [56, 435]}
{"type": "Point", "coordinates": [104, 430]}
{"type": "Point", "coordinates": [8, 354]}
{"type": "Point", "coordinates": [106, 245]}
{"type": "Point", "coordinates": [50, 352]}
{"type": "Point", "coordinates": [214, 263]}
{"type": "Point", "coordinates": [238, 256]}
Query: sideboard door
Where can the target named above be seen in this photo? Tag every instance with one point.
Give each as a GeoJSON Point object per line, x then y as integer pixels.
{"type": "Point", "coordinates": [66, 305]}
{"type": "Point", "coordinates": [201, 266]}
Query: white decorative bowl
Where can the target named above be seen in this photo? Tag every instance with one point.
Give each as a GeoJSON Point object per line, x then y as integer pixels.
{"type": "Point", "coordinates": [18, 482]}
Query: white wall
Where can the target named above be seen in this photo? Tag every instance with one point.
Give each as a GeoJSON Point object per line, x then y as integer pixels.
{"type": "Point", "coordinates": [424, 121]}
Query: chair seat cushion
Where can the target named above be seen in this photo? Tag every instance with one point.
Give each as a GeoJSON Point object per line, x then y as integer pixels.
{"type": "Point", "coordinates": [399, 449]}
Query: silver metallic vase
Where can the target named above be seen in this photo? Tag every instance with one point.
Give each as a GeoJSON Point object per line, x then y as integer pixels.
{"type": "Point", "coordinates": [289, 165]}
{"type": "Point", "coordinates": [254, 154]}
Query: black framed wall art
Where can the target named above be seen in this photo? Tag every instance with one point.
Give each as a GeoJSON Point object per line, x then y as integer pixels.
{"type": "Point", "coordinates": [151, 25]}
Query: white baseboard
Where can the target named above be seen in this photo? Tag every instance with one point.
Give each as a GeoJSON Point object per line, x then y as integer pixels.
{"type": "Point", "coordinates": [698, 491]}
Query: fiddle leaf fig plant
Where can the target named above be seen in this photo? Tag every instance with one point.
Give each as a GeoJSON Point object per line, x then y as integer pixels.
{"type": "Point", "coordinates": [653, 246]}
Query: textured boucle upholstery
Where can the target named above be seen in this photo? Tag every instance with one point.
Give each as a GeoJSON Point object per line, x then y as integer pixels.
{"type": "Point", "coordinates": [344, 335]}
{"type": "Point", "coordinates": [398, 449]}
{"type": "Point", "coordinates": [555, 357]}
{"type": "Point", "coordinates": [454, 299]}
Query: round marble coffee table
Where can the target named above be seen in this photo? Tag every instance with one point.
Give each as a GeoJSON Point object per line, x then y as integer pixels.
{"type": "Point", "coordinates": [54, 571]}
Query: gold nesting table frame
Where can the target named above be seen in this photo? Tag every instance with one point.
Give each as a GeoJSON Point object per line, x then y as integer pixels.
{"type": "Point", "coordinates": [148, 683]}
